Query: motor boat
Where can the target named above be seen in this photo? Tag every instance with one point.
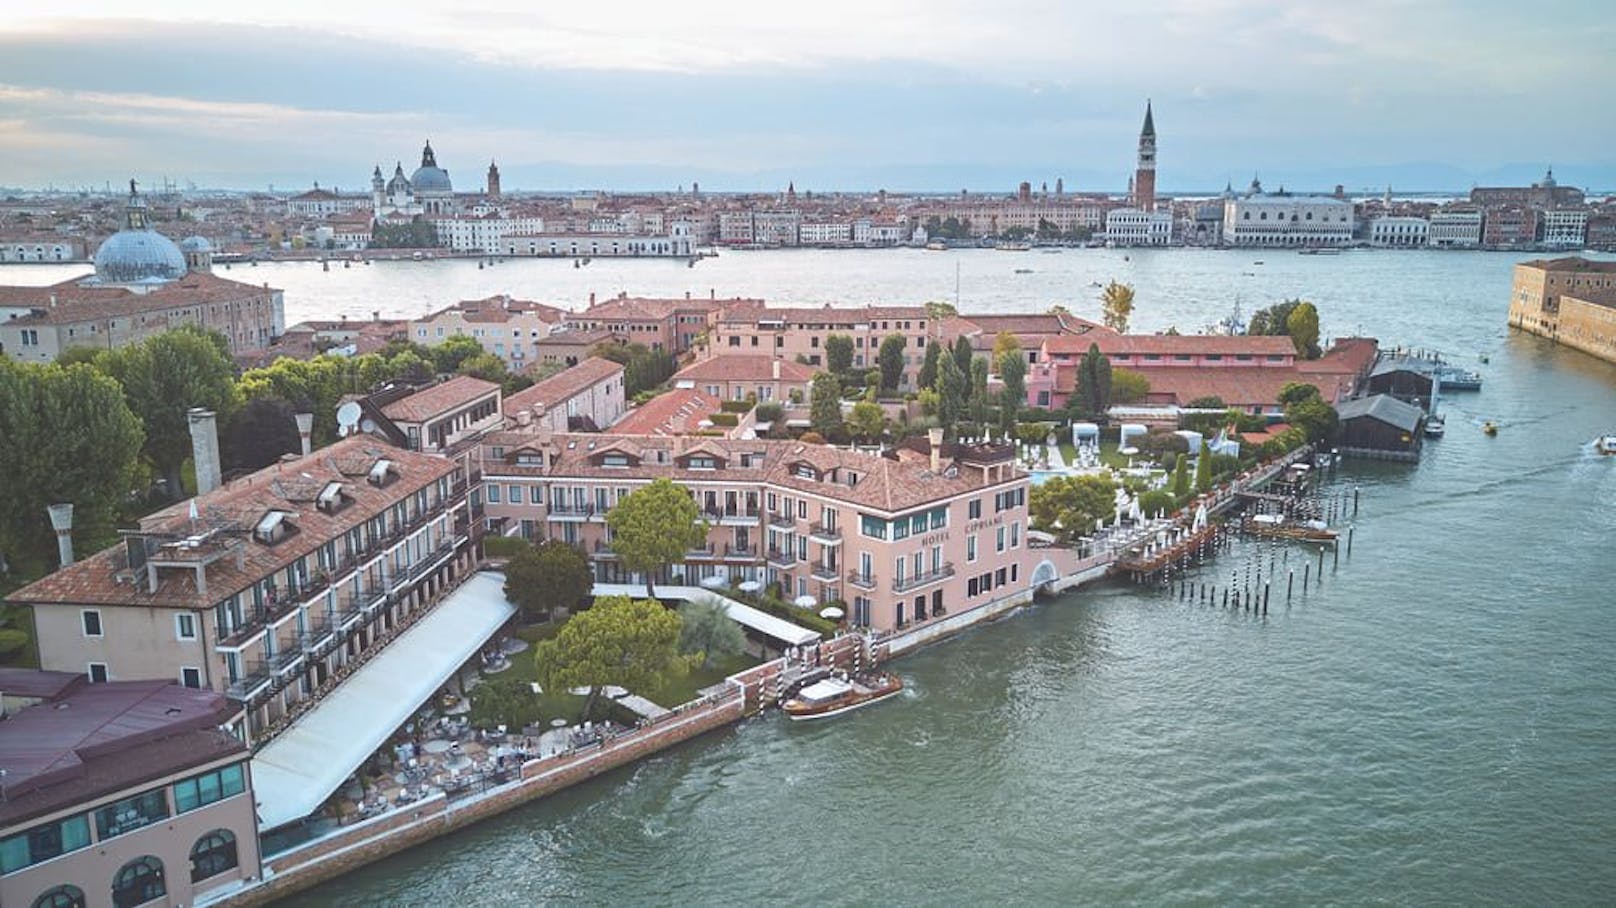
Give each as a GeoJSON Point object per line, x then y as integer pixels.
{"type": "Point", "coordinates": [1489, 428]}
{"type": "Point", "coordinates": [1435, 426]}
{"type": "Point", "coordinates": [834, 696]}
{"type": "Point", "coordinates": [1606, 444]}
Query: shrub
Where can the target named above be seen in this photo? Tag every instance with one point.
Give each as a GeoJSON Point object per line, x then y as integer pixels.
{"type": "Point", "coordinates": [1157, 500]}
{"type": "Point", "coordinates": [812, 438]}
{"type": "Point", "coordinates": [503, 546]}
{"type": "Point", "coordinates": [736, 406]}
{"type": "Point", "coordinates": [12, 641]}
{"type": "Point", "coordinates": [770, 412]}
{"type": "Point", "coordinates": [728, 420]}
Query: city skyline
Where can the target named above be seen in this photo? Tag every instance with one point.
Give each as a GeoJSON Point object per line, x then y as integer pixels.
{"type": "Point", "coordinates": [648, 98]}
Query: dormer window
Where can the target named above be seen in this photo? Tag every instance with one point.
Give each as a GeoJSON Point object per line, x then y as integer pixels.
{"type": "Point", "coordinates": [614, 460]}
{"type": "Point", "coordinates": [331, 499]}
{"type": "Point", "coordinates": [530, 460]}
{"type": "Point", "coordinates": [804, 471]}
{"type": "Point", "coordinates": [273, 527]}
{"type": "Point", "coordinates": [702, 462]}
{"type": "Point", "coordinates": [382, 473]}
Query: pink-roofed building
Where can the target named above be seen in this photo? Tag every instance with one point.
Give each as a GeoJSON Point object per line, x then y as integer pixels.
{"type": "Point", "coordinates": [681, 411]}
{"type": "Point", "coordinates": [735, 377]}
{"type": "Point", "coordinates": [672, 325]}
{"type": "Point", "coordinates": [793, 332]}
{"type": "Point", "coordinates": [510, 329]}
{"type": "Point", "coordinates": [587, 397]}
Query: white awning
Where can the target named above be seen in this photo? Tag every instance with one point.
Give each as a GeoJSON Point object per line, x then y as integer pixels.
{"type": "Point", "coordinates": [741, 613]}
{"type": "Point", "coordinates": [295, 773]}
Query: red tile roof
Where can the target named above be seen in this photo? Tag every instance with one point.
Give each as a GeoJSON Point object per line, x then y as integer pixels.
{"type": "Point", "coordinates": [1238, 387]}
{"type": "Point", "coordinates": [675, 412]}
{"type": "Point", "coordinates": [499, 308]}
{"type": "Point", "coordinates": [439, 399]}
{"type": "Point", "coordinates": [745, 367]}
{"type": "Point", "coordinates": [556, 389]}
{"type": "Point", "coordinates": [1113, 344]}
{"type": "Point", "coordinates": [76, 302]}
{"type": "Point", "coordinates": [824, 315]}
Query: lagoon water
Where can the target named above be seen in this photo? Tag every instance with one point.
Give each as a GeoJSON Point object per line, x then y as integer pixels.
{"type": "Point", "coordinates": [1436, 725]}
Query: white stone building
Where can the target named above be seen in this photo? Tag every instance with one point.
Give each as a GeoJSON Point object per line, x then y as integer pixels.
{"type": "Point", "coordinates": [1399, 232]}
{"type": "Point", "coordinates": [822, 233]}
{"type": "Point", "coordinates": [484, 233]}
{"type": "Point", "coordinates": [1454, 230]}
{"type": "Point", "coordinates": [1282, 219]}
{"type": "Point", "coordinates": [1564, 228]}
{"type": "Point", "coordinates": [1133, 227]}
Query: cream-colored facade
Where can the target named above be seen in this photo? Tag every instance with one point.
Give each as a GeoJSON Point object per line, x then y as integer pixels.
{"type": "Point", "coordinates": [1571, 301]}
{"type": "Point", "coordinates": [507, 328]}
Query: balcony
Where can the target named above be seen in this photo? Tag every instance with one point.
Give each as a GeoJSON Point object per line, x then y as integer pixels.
{"type": "Point", "coordinates": [741, 553]}
{"type": "Point", "coordinates": [782, 521]}
{"type": "Point", "coordinates": [731, 516]}
{"type": "Point", "coordinates": [781, 558]}
{"type": "Point", "coordinates": [860, 580]}
{"type": "Point", "coordinates": [319, 635]}
{"type": "Point", "coordinates": [708, 552]}
{"type": "Point", "coordinates": [572, 512]}
{"type": "Point", "coordinates": [825, 572]}
{"type": "Point", "coordinates": [604, 550]}
{"type": "Point", "coordinates": [286, 660]}
{"type": "Point", "coordinates": [828, 535]}
{"type": "Point", "coordinates": [905, 584]}
{"type": "Point", "coordinates": [254, 679]}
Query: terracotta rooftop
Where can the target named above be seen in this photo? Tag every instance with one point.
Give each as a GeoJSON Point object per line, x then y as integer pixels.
{"type": "Point", "coordinates": [825, 315]}
{"type": "Point", "coordinates": [1571, 263]}
{"type": "Point", "coordinates": [1237, 387]}
{"type": "Point", "coordinates": [634, 308]}
{"type": "Point", "coordinates": [745, 367]}
{"type": "Point", "coordinates": [1113, 344]}
{"type": "Point", "coordinates": [498, 309]}
{"type": "Point", "coordinates": [670, 413]}
{"type": "Point", "coordinates": [233, 510]}
{"type": "Point", "coordinates": [439, 399]}
{"type": "Point", "coordinates": [27, 682]}
{"type": "Point", "coordinates": [870, 481]}
{"type": "Point", "coordinates": [99, 739]}
{"type": "Point", "coordinates": [1022, 326]}
{"type": "Point", "coordinates": [558, 388]}
{"type": "Point", "coordinates": [76, 302]}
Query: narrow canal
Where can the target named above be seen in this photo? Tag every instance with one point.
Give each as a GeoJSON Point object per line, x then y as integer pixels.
{"type": "Point", "coordinates": [1433, 726]}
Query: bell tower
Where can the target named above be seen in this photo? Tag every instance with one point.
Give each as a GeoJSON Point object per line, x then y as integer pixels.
{"type": "Point", "coordinates": [1144, 180]}
{"type": "Point", "coordinates": [493, 180]}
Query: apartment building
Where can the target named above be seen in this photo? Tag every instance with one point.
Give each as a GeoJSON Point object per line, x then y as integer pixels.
{"type": "Point", "coordinates": [673, 325]}
{"type": "Point", "coordinates": [790, 333]}
{"type": "Point", "coordinates": [438, 418]}
{"type": "Point", "coordinates": [1563, 228]}
{"type": "Point", "coordinates": [1455, 230]}
{"type": "Point", "coordinates": [507, 328]}
{"type": "Point", "coordinates": [267, 588]}
{"type": "Point", "coordinates": [737, 376]}
{"type": "Point", "coordinates": [902, 538]}
{"type": "Point", "coordinates": [122, 794]}
{"type": "Point", "coordinates": [587, 397]}
{"type": "Point", "coordinates": [1399, 232]}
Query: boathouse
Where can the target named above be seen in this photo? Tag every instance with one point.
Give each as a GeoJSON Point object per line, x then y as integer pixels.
{"type": "Point", "coordinates": [1380, 427]}
{"type": "Point", "coordinates": [1401, 380]}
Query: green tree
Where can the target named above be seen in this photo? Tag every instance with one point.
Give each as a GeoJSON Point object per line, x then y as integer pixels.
{"type": "Point", "coordinates": [937, 310]}
{"type": "Point", "coordinates": [1296, 392]}
{"type": "Point", "coordinates": [953, 392]}
{"type": "Point", "coordinates": [867, 421]}
{"type": "Point", "coordinates": [654, 526]}
{"type": "Point", "coordinates": [264, 429]}
{"type": "Point", "coordinates": [1128, 386]}
{"type": "Point", "coordinates": [1303, 327]}
{"type": "Point", "coordinates": [928, 369]}
{"type": "Point", "coordinates": [504, 701]}
{"type": "Point", "coordinates": [629, 643]}
{"type": "Point", "coordinates": [979, 391]}
{"type": "Point", "coordinates": [1272, 321]}
{"type": "Point", "coordinates": [1013, 372]}
{"type": "Point", "coordinates": [705, 629]}
{"type": "Point", "coordinates": [1203, 468]}
{"type": "Point", "coordinates": [1092, 396]}
{"type": "Point", "coordinates": [1116, 304]}
{"type": "Point", "coordinates": [1212, 402]}
{"type": "Point", "coordinates": [1313, 416]}
{"type": "Point", "coordinates": [485, 366]}
{"type": "Point", "coordinates": [448, 356]}
{"type": "Point", "coordinates": [163, 377]}
{"type": "Point", "coordinates": [1181, 479]}
{"type": "Point", "coordinates": [963, 354]}
{"type": "Point", "coordinates": [542, 578]}
{"type": "Point", "coordinates": [839, 353]}
{"type": "Point", "coordinates": [66, 435]}
{"type": "Point", "coordinates": [891, 361]}
{"type": "Point", "coordinates": [825, 405]}
{"type": "Point", "coordinates": [1069, 506]}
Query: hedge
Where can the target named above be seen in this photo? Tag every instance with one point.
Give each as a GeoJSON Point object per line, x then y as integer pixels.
{"type": "Point", "coordinates": [729, 420]}
{"type": "Point", "coordinates": [735, 406]}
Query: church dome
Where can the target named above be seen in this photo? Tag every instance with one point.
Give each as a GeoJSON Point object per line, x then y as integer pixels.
{"type": "Point", "coordinates": [195, 244]}
{"type": "Point", "coordinates": [137, 252]}
{"type": "Point", "coordinates": [429, 177]}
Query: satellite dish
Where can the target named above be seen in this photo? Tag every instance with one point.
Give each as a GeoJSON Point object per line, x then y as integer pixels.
{"type": "Point", "coordinates": [368, 425]}
{"type": "Point", "coordinates": [348, 414]}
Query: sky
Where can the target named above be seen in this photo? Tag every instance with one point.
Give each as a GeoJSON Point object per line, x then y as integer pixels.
{"type": "Point", "coordinates": [929, 95]}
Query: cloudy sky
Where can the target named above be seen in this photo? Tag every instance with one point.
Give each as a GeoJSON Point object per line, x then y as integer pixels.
{"type": "Point", "coordinates": [859, 94]}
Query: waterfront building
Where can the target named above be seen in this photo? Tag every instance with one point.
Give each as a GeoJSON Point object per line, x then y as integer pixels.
{"type": "Point", "coordinates": [1454, 229]}
{"type": "Point", "coordinates": [1283, 219]}
{"type": "Point", "coordinates": [1570, 300]}
{"type": "Point", "coordinates": [269, 589]}
{"type": "Point", "coordinates": [587, 397]}
{"type": "Point", "coordinates": [673, 325]}
{"type": "Point", "coordinates": [494, 231]}
{"type": "Point", "coordinates": [1602, 230]}
{"type": "Point", "coordinates": [124, 793]}
{"type": "Point", "coordinates": [322, 203]}
{"type": "Point", "coordinates": [1399, 232]}
{"type": "Point", "coordinates": [677, 243]}
{"type": "Point", "coordinates": [143, 285]}
{"type": "Point", "coordinates": [777, 227]}
{"type": "Point", "coordinates": [880, 232]}
{"type": "Point", "coordinates": [1030, 331]}
{"type": "Point", "coordinates": [1509, 226]}
{"type": "Point", "coordinates": [790, 333]}
{"type": "Point", "coordinates": [1545, 193]}
{"type": "Point", "coordinates": [1563, 228]}
{"type": "Point", "coordinates": [15, 249]}
{"type": "Point", "coordinates": [903, 538]}
{"type": "Point", "coordinates": [826, 233]}
{"type": "Point", "coordinates": [1136, 227]}
{"type": "Point", "coordinates": [1380, 426]}
{"type": "Point", "coordinates": [1144, 178]}
{"type": "Point", "coordinates": [426, 191]}
{"type": "Point", "coordinates": [729, 376]}
{"type": "Point", "coordinates": [507, 328]}
{"type": "Point", "coordinates": [1410, 382]}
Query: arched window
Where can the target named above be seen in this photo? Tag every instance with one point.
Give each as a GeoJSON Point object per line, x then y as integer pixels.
{"type": "Point", "coordinates": [63, 896]}
{"type": "Point", "coordinates": [138, 882]}
{"type": "Point", "coordinates": [213, 854]}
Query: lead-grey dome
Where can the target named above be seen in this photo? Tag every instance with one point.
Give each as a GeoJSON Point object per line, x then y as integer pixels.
{"type": "Point", "coordinates": [429, 177]}
{"type": "Point", "coordinates": [137, 252]}
{"type": "Point", "coordinates": [196, 244]}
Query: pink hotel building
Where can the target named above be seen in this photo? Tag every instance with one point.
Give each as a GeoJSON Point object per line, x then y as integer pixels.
{"type": "Point", "coordinates": [902, 539]}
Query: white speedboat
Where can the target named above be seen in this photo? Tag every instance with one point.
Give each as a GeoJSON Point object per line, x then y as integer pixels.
{"type": "Point", "coordinates": [1435, 426]}
{"type": "Point", "coordinates": [1606, 444]}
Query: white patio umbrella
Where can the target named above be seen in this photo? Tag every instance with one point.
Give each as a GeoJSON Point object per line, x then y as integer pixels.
{"type": "Point", "coordinates": [714, 582]}
{"type": "Point", "coordinates": [805, 601]}
{"type": "Point", "coordinates": [831, 612]}
{"type": "Point", "coordinates": [751, 586]}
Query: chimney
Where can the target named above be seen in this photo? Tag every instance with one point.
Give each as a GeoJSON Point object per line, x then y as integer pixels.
{"type": "Point", "coordinates": [712, 293]}
{"type": "Point", "coordinates": [204, 448]}
{"type": "Point", "coordinates": [375, 315]}
{"type": "Point", "coordinates": [61, 518]}
{"type": "Point", "coordinates": [591, 297]}
{"type": "Point", "coordinates": [776, 364]}
{"type": "Point", "coordinates": [305, 428]}
{"type": "Point", "coordinates": [935, 436]}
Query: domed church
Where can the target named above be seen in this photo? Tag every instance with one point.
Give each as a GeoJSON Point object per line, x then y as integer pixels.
{"type": "Point", "coordinates": [426, 191]}
{"type": "Point", "coordinates": [137, 254]}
